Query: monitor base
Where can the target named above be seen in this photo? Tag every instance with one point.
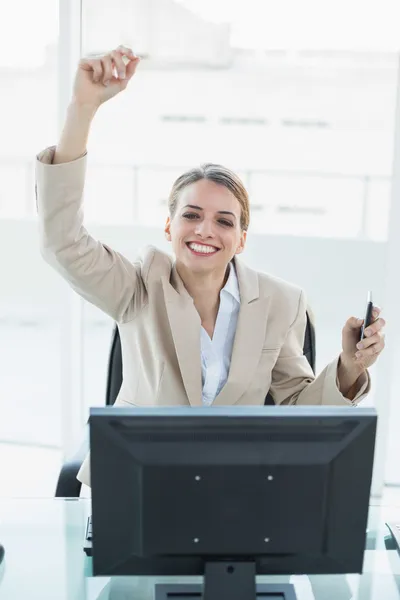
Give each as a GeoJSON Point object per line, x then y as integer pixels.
{"type": "Point", "coordinates": [233, 580]}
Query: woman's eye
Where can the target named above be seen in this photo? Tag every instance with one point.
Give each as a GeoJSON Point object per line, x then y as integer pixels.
{"type": "Point", "coordinates": [192, 216]}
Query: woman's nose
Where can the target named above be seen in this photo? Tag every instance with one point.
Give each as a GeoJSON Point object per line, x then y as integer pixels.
{"type": "Point", "coordinates": [204, 229]}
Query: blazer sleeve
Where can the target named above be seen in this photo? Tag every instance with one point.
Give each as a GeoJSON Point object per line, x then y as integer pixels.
{"type": "Point", "coordinates": [293, 381]}
{"type": "Point", "coordinates": [95, 271]}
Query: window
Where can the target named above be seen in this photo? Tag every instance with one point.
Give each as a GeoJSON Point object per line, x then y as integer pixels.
{"type": "Point", "coordinates": [294, 204]}
{"type": "Point", "coordinates": [31, 299]}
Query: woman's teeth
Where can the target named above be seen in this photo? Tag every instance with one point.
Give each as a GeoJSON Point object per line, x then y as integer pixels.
{"type": "Point", "coordinates": [201, 248]}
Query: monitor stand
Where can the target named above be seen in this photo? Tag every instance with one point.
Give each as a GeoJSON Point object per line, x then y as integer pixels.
{"type": "Point", "coordinates": [230, 580]}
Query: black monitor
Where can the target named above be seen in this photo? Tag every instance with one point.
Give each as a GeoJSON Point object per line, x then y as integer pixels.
{"type": "Point", "coordinates": [229, 493]}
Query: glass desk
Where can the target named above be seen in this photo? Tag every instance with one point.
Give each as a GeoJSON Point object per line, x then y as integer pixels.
{"type": "Point", "coordinates": [44, 560]}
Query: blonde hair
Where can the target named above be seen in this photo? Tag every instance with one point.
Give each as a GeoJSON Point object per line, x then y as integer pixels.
{"type": "Point", "coordinates": [220, 175]}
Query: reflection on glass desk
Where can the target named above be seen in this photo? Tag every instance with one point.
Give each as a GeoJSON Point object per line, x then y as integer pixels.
{"type": "Point", "coordinates": [44, 560]}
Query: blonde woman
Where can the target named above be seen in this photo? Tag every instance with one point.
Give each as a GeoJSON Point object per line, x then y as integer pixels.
{"type": "Point", "coordinates": [201, 328]}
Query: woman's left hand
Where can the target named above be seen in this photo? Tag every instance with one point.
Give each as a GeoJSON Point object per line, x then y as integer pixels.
{"type": "Point", "coordinates": [362, 354]}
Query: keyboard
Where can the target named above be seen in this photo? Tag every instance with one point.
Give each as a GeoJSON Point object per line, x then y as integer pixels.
{"type": "Point", "coordinates": [88, 535]}
{"type": "Point", "coordinates": [87, 543]}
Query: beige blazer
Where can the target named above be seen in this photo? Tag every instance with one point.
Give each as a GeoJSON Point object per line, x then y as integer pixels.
{"type": "Point", "coordinates": [158, 323]}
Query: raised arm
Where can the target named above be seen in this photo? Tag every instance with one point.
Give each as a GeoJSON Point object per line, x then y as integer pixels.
{"type": "Point", "coordinates": [99, 274]}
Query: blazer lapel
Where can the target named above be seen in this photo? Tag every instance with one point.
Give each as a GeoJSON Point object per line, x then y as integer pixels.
{"type": "Point", "coordinates": [249, 338]}
{"type": "Point", "coordinates": [185, 328]}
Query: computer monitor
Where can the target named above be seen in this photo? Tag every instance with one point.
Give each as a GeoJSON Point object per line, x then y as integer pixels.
{"type": "Point", "coordinates": [230, 492]}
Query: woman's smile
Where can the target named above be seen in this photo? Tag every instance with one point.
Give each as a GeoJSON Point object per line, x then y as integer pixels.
{"type": "Point", "coordinates": [200, 249]}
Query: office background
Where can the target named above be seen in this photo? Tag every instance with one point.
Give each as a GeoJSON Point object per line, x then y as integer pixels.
{"type": "Point", "coordinates": [299, 98]}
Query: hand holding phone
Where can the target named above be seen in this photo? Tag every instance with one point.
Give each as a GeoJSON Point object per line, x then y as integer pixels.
{"type": "Point", "coordinates": [368, 315]}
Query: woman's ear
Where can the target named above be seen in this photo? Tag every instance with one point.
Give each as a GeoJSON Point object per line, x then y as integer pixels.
{"type": "Point", "coordinates": [167, 229]}
{"type": "Point", "coordinates": [242, 243]}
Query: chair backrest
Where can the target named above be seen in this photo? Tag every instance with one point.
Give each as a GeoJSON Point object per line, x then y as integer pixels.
{"type": "Point", "coordinates": [114, 373]}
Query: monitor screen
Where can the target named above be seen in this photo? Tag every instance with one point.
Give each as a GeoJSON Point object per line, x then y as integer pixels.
{"type": "Point", "coordinates": [285, 487]}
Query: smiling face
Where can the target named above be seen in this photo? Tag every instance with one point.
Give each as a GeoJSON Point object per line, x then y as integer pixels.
{"type": "Point", "coordinates": [205, 230]}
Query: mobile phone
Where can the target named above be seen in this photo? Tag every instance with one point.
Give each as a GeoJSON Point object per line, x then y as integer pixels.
{"type": "Point", "coordinates": [368, 315]}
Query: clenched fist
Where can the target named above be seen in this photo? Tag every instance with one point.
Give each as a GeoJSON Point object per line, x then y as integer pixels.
{"type": "Point", "coordinates": [100, 78]}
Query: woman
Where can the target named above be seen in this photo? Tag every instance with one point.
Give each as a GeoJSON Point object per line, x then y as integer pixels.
{"type": "Point", "coordinates": [202, 329]}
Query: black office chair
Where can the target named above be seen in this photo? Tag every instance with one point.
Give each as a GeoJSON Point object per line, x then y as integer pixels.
{"type": "Point", "coordinates": [68, 485]}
